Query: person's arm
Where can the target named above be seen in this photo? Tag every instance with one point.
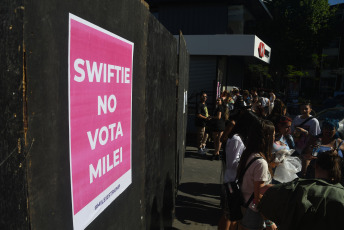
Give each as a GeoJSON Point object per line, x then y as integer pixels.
{"type": "Point", "coordinates": [232, 153]}
{"type": "Point", "coordinates": [259, 189]}
{"type": "Point", "coordinates": [258, 185]}
{"type": "Point", "coordinates": [201, 116]}
{"type": "Point", "coordinates": [314, 127]}
{"type": "Point", "coordinates": [264, 188]}
{"type": "Point", "coordinates": [270, 225]}
{"type": "Point", "coordinates": [218, 115]}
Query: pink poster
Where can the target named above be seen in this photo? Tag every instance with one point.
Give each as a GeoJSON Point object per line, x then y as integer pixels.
{"type": "Point", "coordinates": [100, 118]}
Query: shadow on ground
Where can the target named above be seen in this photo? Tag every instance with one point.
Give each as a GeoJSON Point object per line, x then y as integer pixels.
{"type": "Point", "coordinates": [194, 154]}
{"type": "Point", "coordinates": [203, 210]}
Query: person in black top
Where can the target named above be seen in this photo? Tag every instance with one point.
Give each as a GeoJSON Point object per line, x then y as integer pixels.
{"type": "Point", "coordinates": [202, 116]}
{"type": "Point", "coordinates": [218, 126]}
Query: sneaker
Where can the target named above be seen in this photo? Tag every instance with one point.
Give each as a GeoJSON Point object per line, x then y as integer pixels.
{"type": "Point", "coordinates": [201, 152]}
{"type": "Point", "coordinates": [204, 149]}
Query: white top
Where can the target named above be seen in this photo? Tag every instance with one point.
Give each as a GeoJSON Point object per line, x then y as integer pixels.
{"type": "Point", "coordinates": [264, 101]}
{"type": "Point", "coordinates": [258, 171]}
{"type": "Point", "coordinates": [272, 99]}
{"type": "Point", "coordinates": [234, 149]}
{"type": "Point", "coordinates": [312, 126]}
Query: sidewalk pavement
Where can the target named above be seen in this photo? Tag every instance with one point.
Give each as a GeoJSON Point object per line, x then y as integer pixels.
{"type": "Point", "coordinates": [198, 197]}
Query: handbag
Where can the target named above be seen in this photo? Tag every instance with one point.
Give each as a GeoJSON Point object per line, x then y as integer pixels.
{"type": "Point", "coordinates": [235, 198]}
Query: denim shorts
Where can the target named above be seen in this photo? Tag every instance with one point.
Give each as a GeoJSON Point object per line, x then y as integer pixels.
{"type": "Point", "coordinates": [252, 220]}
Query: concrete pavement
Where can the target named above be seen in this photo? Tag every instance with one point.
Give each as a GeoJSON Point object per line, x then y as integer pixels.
{"type": "Point", "coordinates": [198, 197]}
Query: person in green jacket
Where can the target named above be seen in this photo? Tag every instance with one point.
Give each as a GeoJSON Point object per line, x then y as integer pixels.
{"type": "Point", "coordinates": [315, 204]}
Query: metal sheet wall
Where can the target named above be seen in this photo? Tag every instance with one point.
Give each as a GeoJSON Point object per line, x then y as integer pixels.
{"type": "Point", "coordinates": [35, 155]}
{"type": "Point", "coordinates": [13, 185]}
{"type": "Point", "coordinates": [182, 108]}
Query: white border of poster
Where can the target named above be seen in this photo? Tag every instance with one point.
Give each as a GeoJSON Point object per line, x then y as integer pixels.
{"type": "Point", "coordinates": [88, 213]}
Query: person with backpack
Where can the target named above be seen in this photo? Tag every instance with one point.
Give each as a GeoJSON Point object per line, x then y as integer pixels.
{"type": "Point", "coordinates": [315, 204]}
{"type": "Point", "coordinates": [241, 120]}
{"type": "Point", "coordinates": [233, 151]}
{"type": "Point", "coordinates": [255, 169]}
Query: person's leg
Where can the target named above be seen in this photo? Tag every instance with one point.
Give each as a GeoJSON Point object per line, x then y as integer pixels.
{"type": "Point", "coordinates": [200, 136]}
{"type": "Point", "coordinates": [305, 164]}
{"type": "Point", "coordinates": [205, 138]}
{"type": "Point", "coordinates": [233, 225]}
{"type": "Point", "coordinates": [240, 227]}
{"type": "Point", "coordinates": [217, 140]}
{"type": "Point", "coordinates": [214, 134]}
{"type": "Point", "coordinates": [224, 223]}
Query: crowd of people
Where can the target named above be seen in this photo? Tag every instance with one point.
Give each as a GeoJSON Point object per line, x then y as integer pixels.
{"type": "Point", "coordinates": [276, 160]}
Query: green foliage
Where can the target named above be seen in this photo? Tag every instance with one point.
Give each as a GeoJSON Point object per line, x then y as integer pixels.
{"type": "Point", "coordinates": [299, 29]}
{"type": "Point", "coordinates": [259, 70]}
{"type": "Point", "coordinates": [292, 72]}
{"type": "Point", "coordinates": [318, 59]}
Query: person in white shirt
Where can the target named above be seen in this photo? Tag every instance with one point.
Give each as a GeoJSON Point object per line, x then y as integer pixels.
{"type": "Point", "coordinates": [272, 100]}
{"type": "Point", "coordinates": [264, 100]}
{"type": "Point", "coordinates": [234, 149]}
{"type": "Point", "coordinates": [304, 128]}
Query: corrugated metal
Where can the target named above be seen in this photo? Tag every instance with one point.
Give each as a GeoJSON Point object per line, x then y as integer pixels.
{"type": "Point", "coordinates": [202, 74]}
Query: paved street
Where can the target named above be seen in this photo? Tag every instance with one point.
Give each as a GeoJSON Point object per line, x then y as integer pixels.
{"type": "Point", "coordinates": [198, 199]}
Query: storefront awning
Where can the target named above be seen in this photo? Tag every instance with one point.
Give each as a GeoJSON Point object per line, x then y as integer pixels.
{"type": "Point", "coordinates": [228, 45]}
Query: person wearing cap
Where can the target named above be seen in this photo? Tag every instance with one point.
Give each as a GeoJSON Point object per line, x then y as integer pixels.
{"type": "Point", "coordinates": [202, 117]}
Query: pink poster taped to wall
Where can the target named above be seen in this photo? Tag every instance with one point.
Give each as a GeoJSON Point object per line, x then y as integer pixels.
{"type": "Point", "coordinates": [100, 118]}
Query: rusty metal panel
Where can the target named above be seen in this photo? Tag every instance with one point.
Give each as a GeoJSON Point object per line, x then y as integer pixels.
{"type": "Point", "coordinates": [13, 149]}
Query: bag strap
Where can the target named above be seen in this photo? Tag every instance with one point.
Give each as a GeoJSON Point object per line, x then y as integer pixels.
{"type": "Point", "coordinates": [239, 180]}
{"type": "Point", "coordinates": [290, 142]}
{"type": "Point", "coordinates": [247, 166]}
{"type": "Point", "coordinates": [249, 200]}
{"type": "Point", "coordinates": [305, 121]}
{"type": "Point", "coordinates": [337, 146]}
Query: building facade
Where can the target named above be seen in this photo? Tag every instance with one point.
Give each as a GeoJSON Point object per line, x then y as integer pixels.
{"type": "Point", "coordinates": [331, 81]}
{"type": "Point", "coordinates": [221, 39]}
